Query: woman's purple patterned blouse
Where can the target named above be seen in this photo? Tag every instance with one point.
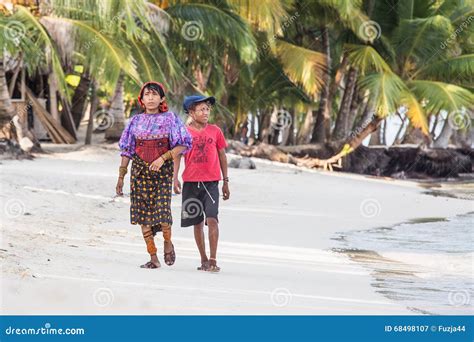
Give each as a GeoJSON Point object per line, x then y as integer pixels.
{"type": "Point", "coordinates": [154, 126]}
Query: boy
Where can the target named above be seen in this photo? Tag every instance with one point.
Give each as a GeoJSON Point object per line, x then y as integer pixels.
{"type": "Point", "coordinates": [204, 164]}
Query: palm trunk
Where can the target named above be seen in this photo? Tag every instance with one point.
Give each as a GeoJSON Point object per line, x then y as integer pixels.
{"type": "Point", "coordinates": [79, 99]}
{"type": "Point", "coordinates": [435, 124]}
{"type": "Point", "coordinates": [93, 109]}
{"type": "Point", "coordinates": [253, 119]}
{"type": "Point", "coordinates": [66, 118]}
{"type": "Point", "coordinates": [288, 136]}
{"type": "Point", "coordinates": [364, 131]}
{"type": "Point", "coordinates": [15, 77]}
{"type": "Point", "coordinates": [117, 110]}
{"type": "Point", "coordinates": [367, 114]}
{"type": "Point", "coordinates": [303, 136]}
{"type": "Point", "coordinates": [384, 132]}
{"type": "Point", "coordinates": [396, 141]}
{"type": "Point", "coordinates": [443, 139]}
{"type": "Point", "coordinates": [291, 132]}
{"type": "Point", "coordinates": [462, 138]}
{"type": "Point", "coordinates": [264, 126]}
{"type": "Point", "coordinates": [340, 131]}
{"type": "Point", "coordinates": [53, 97]}
{"type": "Point", "coordinates": [413, 136]}
{"type": "Point", "coordinates": [323, 117]}
{"type": "Point", "coordinates": [355, 104]}
{"type": "Point", "coordinates": [375, 139]}
{"type": "Point", "coordinates": [202, 77]}
{"type": "Point", "coordinates": [349, 146]}
{"type": "Point", "coordinates": [7, 111]}
{"type": "Point", "coordinates": [274, 133]}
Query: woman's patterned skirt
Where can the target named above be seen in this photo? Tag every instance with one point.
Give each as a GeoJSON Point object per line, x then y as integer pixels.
{"type": "Point", "coordinates": [150, 194]}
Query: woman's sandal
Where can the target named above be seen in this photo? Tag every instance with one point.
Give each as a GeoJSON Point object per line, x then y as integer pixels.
{"type": "Point", "coordinates": [213, 266]}
{"type": "Point", "coordinates": [150, 265]}
{"type": "Point", "coordinates": [170, 257]}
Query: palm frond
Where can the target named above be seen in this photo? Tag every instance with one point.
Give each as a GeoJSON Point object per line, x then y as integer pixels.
{"type": "Point", "coordinates": [386, 90]}
{"type": "Point", "coordinates": [349, 13]}
{"type": "Point", "coordinates": [35, 31]}
{"type": "Point", "coordinates": [419, 41]}
{"type": "Point", "coordinates": [415, 112]}
{"type": "Point", "coordinates": [265, 15]}
{"type": "Point", "coordinates": [104, 54]}
{"type": "Point", "coordinates": [441, 96]}
{"type": "Point", "coordinates": [210, 26]}
{"type": "Point", "coordinates": [303, 66]}
{"type": "Point", "coordinates": [457, 70]}
{"type": "Point", "coordinates": [366, 59]}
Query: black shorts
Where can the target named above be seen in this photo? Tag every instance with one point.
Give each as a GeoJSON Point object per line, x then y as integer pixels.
{"type": "Point", "coordinates": [199, 199]}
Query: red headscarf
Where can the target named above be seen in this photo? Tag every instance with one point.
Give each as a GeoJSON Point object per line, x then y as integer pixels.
{"type": "Point", "coordinates": [163, 107]}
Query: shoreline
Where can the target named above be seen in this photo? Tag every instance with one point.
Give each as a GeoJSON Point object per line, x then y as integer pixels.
{"type": "Point", "coordinates": [390, 274]}
{"type": "Point", "coordinates": [275, 242]}
{"type": "Point", "coordinates": [458, 188]}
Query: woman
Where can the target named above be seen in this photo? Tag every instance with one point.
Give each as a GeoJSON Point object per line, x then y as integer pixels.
{"type": "Point", "coordinates": [151, 140]}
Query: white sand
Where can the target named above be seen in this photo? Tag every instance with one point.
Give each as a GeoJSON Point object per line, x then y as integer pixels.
{"type": "Point", "coordinates": [68, 248]}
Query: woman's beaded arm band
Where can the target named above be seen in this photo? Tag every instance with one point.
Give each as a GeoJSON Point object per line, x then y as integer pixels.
{"type": "Point", "coordinates": [167, 155]}
{"type": "Point", "coordinates": [122, 171]}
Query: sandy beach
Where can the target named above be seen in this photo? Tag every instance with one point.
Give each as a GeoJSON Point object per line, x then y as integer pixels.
{"type": "Point", "coordinates": [67, 245]}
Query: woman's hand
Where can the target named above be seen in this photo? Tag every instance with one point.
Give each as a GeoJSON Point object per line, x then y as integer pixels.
{"type": "Point", "coordinates": [225, 191]}
{"type": "Point", "coordinates": [157, 164]}
{"type": "Point", "coordinates": [119, 187]}
{"type": "Point", "coordinates": [176, 186]}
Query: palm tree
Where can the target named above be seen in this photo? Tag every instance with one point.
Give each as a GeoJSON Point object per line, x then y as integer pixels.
{"type": "Point", "coordinates": [26, 39]}
{"type": "Point", "coordinates": [6, 108]}
{"type": "Point", "coordinates": [337, 17]}
{"type": "Point", "coordinates": [115, 42]}
{"type": "Point", "coordinates": [208, 40]}
{"type": "Point", "coordinates": [410, 77]}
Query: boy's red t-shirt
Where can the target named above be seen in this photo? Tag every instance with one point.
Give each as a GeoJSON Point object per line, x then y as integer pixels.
{"type": "Point", "coordinates": [202, 161]}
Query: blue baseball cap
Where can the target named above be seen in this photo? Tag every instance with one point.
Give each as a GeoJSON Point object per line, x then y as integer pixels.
{"type": "Point", "coordinates": [193, 99]}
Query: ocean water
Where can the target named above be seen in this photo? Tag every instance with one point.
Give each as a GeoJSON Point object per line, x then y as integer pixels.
{"type": "Point", "coordinates": [426, 264]}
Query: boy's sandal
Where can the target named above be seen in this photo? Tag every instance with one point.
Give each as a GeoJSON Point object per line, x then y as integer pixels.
{"type": "Point", "coordinates": [213, 266]}
{"type": "Point", "coordinates": [204, 266]}
{"type": "Point", "coordinates": [150, 265]}
{"type": "Point", "coordinates": [170, 257]}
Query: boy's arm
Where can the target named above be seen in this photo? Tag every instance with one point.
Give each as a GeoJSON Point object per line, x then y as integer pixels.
{"type": "Point", "coordinates": [225, 176]}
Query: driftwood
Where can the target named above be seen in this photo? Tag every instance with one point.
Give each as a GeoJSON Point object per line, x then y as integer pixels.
{"type": "Point", "coordinates": [263, 151]}
{"type": "Point", "coordinates": [399, 161]}
{"type": "Point", "coordinates": [57, 133]}
{"type": "Point", "coordinates": [286, 154]}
